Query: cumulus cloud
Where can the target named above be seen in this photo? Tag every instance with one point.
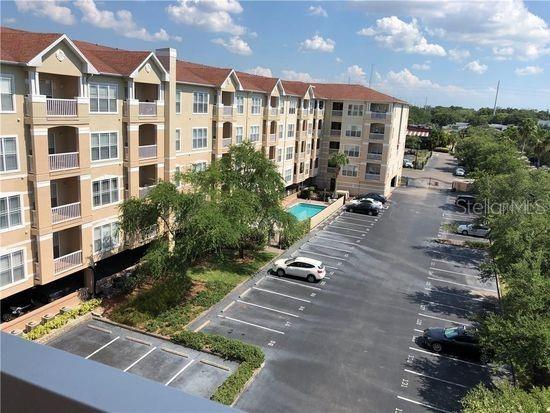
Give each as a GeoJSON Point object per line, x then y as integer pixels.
{"type": "Point", "coordinates": [317, 11]}
{"type": "Point", "coordinates": [529, 70]}
{"type": "Point", "coordinates": [399, 36]}
{"type": "Point", "coordinates": [421, 66]}
{"type": "Point", "coordinates": [338, 60]}
{"type": "Point", "coordinates": [121, 21]}
{"type": "Point", "coordinates": [51, 9]}
{"type": "Point", "coordinates": [235, 45]}
{"type": "Point", "coordinates": [406, 81]}
{"type": "Point", "coordinates": [476, 67]}
{"type": "Point", "coordinates": [458, 55]}
{"type": "Point", "coordinates": [301, 76]}
{"type": "Point", "coordinates": [9, 20]}
{"type": "Point", "coordinates": [260, 71]}
{"type": "Point", "coordinates": [319, 44]}
{"type": "Point", "coordinates": [213, 16]}
{"type": "Point", "coordinates": [353, 74]}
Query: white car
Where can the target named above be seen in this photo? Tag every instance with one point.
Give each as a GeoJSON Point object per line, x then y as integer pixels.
{"type": "Point", "coordinates": [460, 171]}
{"type": "Point", "coordinates": [308, 268]}
{"type": "Point", "coordinates": [407, 163]}
{"type": "Point", "coordinates": [375, 204]}
{"type": "Point", "coordinates": [473, 229]}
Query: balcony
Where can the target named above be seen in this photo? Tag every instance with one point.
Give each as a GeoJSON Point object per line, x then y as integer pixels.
{"type": "Point", "coordinates": [221, 110]}
{"type": "Point", "coordinates": [61, 161]}
{"type": "Point", "coordinates": [147, 151]}
{"type": "Point", "coordinates": [335, 132]}
{"type": "Point", "coordinates": [65, 212]}
{"type": "Point", "coordinates": [226, 142]}
{"type": "Point", "coordinates": [144, 190]}
{"type": "Point", "coordinates": [337, 113]}
{"type": "Point", "coordinates": [61, 107]}
{"type": "Point", "coordinates": [319, 113]}
{"type": "Point", "coordinates": [271, 111]}
{"type": "Point", "coordinates": [374, 156]}
{"type": "Point", "coordinates": [376, 136]}
{"type": "Point", "coordinates": [272, 137]}
{"type": "Point", "coordinates": [379, 115]}
{"type": "Point", "coordinates": [372, 176]}
{"type": "Point", "coordinates": [147, 109]}
{"type": "Point", "coordinates": [68, 261]}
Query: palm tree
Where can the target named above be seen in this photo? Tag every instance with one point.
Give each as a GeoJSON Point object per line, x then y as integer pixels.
{"type": "Point", "coordinates": [527, 130]}
{"type": "Point", "coordinates": [337, 160]}
{"type": "Point", "coordinates": [540, 144]}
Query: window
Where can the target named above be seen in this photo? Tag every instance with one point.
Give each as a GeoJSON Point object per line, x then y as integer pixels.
{"type": "Point", "coordinates": [256, 107]}
{"type": "Point", "coordinates": [355, 110]}
{"type": "Point", "coordinates": [7, 95]}
{"type": "Point", "coordinates": [254, 133]}
{"type": "Point", "coordinates": [239, 134]}
{"type": "Point", "coordinates": [178, 140]}
{"type": "Point", "coordinates": [105, 192]}
{"type": "Point", "coordinates": [352, 151]}
{"type": "Point", "coordinates": [279, 154]}
{"type": "Point", "coordinates": [318, 143]}
{"type": "Point", "coordinates": [280, 130]}
{"type": "Point", "coordinates": [8, 154]}
{"type": "Point", "coordinates": [199, 166]}
{"type": "Point", "coordinates": [12, 268]}
{"type": "Point", "coordinates": [309, 129]}
{"type": "Point", "coordinates": [288, 175]}
{"type": "Point", "coordinates": [200, 102]}
{"type": "Point", "coordinates": [321, 104]}
{"type": "Point", "coordinates": [281, 106]}
{"type": "Point", "coordinates": [10, 211]}
{"type": "Point", "coordinates": [354, 131]}
{"type": "Point", "coordinates": [106, 237]}
{"type": "Point", "coordinates": [289, 153]}
{"type": "Point", "coordinates": [104, 146]}
{"type": "Point", "coordinates": [308, 148]}
{"type": "Point", "coordinates": [290, 130]}
{"type": "Point", "coordinates": [200, 138]}
{"type": "Point", "coordinates": [178, 102]}
{"type": "Point", "coordinates": [349, 170]}
{"type": "Point", "coordinates": [301, 167]}
{"type": "Point", "coordinates": [334, 146]}
{"type": "Point", "coordinates": [306, 169]}
{"type": "Point", "coordinates": [292, 108]}
{"type": "Point", "coordinates": [239, 101]}
{"type": "Point", "coordinates": [103, 98]}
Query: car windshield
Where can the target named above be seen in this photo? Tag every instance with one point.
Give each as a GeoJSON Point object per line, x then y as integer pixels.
{"type": "Point", "coordinates": [290, 261]}
{"type": "Point", "coordinates": [452, 332]}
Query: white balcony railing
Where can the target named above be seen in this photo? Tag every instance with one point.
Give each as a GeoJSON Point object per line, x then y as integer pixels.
{"type": "Point", "coordinates": [272, 137]}
{"type": "Point", "coordinates": [335, 132]}
{"type": "Point", "coordinates": [227, 110]}
{"type": "Point", "coordinates": [273, 111]}
{"type": "Point", "coordinates": [147, 108]}
{"type": "Point", "coordinates": [374, 155]}
{"type": "Point", "coordinates": [226, 142]}
{"type": "Point", "coordinates": [126, 153]}
{"type": "Point", "coordinates": [67, 160]}
{"type": "Point", "coordinates": [372, 177]}
{"type": "Point", "coordinates": [147, 151]}
{"type": "Point", "coordinates": [65, 212]}
{"type": "Point", "coordinates": [65, 262]}
{"type": "Point", "coordinates": [144, 190]}
{"type": "Point", "coordinates": [379, 115]}
{"type": "Point", "coordinates": [61, 107]}
{"type": "Point", "coordinates": [376, 136]}
{"type": "Point", "coordinates": [337, 113]}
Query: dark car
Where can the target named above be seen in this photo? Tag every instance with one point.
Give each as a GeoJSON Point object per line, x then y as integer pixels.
{"type": "Point", "coordinates": [466, 201]}
{"type": "Point", "coordinates": [461, 340]}
{"type": "Point", "coordinates": [373, 195]}
{"type": "Point", "coordinates": [362, 208]}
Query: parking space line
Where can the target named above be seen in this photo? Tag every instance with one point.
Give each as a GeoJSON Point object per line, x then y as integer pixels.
{"type": "Point", "coordinates": [446, 305]}
{"type": "Point", "coordinates": [244, 293]}
{"type": "Point", "coordinates": [417, 330]}
{"type": "Point", "coordinates": [354, 217]}
{"type": "Point", "coordinates": [448, 357]}
{"type": "Point", "coordinates": [322, 255]}
{"type": "Point", "coordinates": [336, 240]}
{"type": "Point", "coordinates": [452, 254]}
{"type": "Point", "coordinates": [443, 319]}
{"type": "Point", "coordinates": [454, 272]}
{"type": "Point", "coordinates": [199, 328]}
{"type": "Point", "coordinates": [227, 307]}
{"type": "Point", "coordinates": [435, 378]}
{"type": "Point", "coordinates": [455, 295]}
{"type": "Point", "coordinates": [293, 282]}
{"type": "Point", "coordinates": [470, 287]}
{"type": "Point", "coordinates": [211, 363]}
{"type": "Point", "coordinates": [251, 324]}
{"type": "Point", "coordinates": [333, 268]}
{"type": "Point", "coordinates": [139, 359]}
{"type": "Point", "coordinates": [329, 246]}
{"type": "Point", "coordinates": [103, 330]}
{"type": "Point", "coordinates": [175, 376]}
{"type": "Point", "coordinates": [353, 224]}
{"type": "Point", "coordinates": [348, 229]}
{"type": "Point", "coordinates": [343, 235]}
{"type": "Point", "coordinates": [429, 406]}
{"type": "Point", "coordinates": [281, 294]}
{"type": "Point", "coordinates": [102, 347]}
{"type": "Point", "coordinates": [268, 308]}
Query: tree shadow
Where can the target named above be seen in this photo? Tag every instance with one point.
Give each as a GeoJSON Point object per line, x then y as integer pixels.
{"type": "Point", "coordinates": [459, 255]}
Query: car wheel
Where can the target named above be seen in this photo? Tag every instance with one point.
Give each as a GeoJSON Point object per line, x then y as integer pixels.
{"type": "Point", "coordinates": [437, 347]}
{"type": "Point", "coordinates": [311, 278]}
{"type": "Point", "coordinates": [280, 272]}
{"type": "Point", "coordinates": [464, 232]}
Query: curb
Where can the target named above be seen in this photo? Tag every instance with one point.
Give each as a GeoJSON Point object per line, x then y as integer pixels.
{"type": "Point", "coordinates": [247, 384]}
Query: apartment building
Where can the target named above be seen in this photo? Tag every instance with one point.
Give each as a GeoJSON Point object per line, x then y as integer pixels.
{"type": "Point", "coordinates": [84, 127]}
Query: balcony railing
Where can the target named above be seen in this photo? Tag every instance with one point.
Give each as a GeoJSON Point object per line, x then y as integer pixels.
{"type": "Point", "coordinates": [226, 142]}
{"type": "Point", "coordinates": [126, 153]}
{"type": "Point", "coordinates": [376, 136]}
{"type": "Point", "coordinates": [379, 115]}
{"type": "Point", "coordinates": [227, 110]}
{"type": "Point", "coordinates": [65, 212]}
{"type": "Point", "coordinates": [372, 177]}
{"type": "Point", "coordinates": [147, 108]}
{"type": "Point", "coordinates": [144, 190]}
{"type": "Point", "coordinates": [147, 151]}
{"type": "Point", "coordinates": [335, 132]}
{"type": "Point", "coordinates": [374, 155]}
{"type": "Point", "coordinates": [60, 161]}
{"type": "Point", "coordinates": [337, 113]}
{"type": "Point", "coordinates": [65, 262]}
{"type": "Point", "coordinates": [272, 137]}
{"type": "Point", "coordinates": [273, 111]}
{"type": "Point", "coordinates": [319, 112]}
{"type": "Point", "coordinates": [61, 107]}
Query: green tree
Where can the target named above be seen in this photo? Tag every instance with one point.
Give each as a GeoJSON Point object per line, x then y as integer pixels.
{"type": "Point", "coordinates": [527, 132]}
{"type": "Point", "coordinates": [338, 160]}
{"type": "Point", "coordinates": [506, 399]}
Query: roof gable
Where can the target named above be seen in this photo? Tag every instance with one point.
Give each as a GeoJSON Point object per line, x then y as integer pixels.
{"type": "Point", "coordinates": [156, 61]}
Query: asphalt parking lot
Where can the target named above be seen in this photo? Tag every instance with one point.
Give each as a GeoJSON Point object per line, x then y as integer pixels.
{"type": "Point", "coordinates": [152, 358]}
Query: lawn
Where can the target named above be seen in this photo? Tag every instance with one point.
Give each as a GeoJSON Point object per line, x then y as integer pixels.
{"type": "Point", "coordinates": [167, 307]}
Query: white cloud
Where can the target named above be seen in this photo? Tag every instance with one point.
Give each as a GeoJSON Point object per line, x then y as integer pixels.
{"type": "Point", "coordinates": [121, 21]}
{"type": "Point", "coordinates": [301, 76]}
{"type": "Point", "coordinates": [529, 70]}
{"type": "Point", "coordinates": [421, 66]}
{"type": "Point", "coordinates": [397, 35]}
{"type": "Point", "coordinates": [235, 45]}
{"type": "Point", "coordinates": [406, 82]}
{"type": "Point", "coordinates": [213, 16]}
{"type": "Point", "coordinates": [353, 74]}
{"type": "Point", "coordinates": [458, 55]}
{"type": "Point", "coordinates": [51, 9]}
{"type": "Point", "coordinates": [338, 60]}
{"type": "Point", "coordinates": [9, 20]}
{"type": "Point", "coordinates": [318, 44]}
{"type": "Point", "coordinates": [476, 67]}
{"type": "Point", "coordinates": [260, 71]}
{"type": "Point", "coordinates": [317, 11]}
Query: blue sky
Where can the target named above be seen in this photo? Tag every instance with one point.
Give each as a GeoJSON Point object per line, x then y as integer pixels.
{"type": "Point", "coordinates": [448, 52]}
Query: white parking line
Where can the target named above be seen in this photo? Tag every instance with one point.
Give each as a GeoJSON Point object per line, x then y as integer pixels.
{"type": "Point", "coordinates": [281, 294]}
{"type": "Point", "coordinates": [333, 268]}
{"type": "Point", "coordinates": [417, 330]}
{"type": "Point", "coordinates": [268, 308]}
{"type": "Point", "coordinates": [251, 324]}
{"type": "Point", "coordinates": [470, 287]}
{"type": "Point", "coordinates": [429, 406]}
{"type": "Point", "coordinates": [349, 229]}
{"type": "Point", "coordinates": [139, 359]}
{"type": "Point", "coordinates": [179, 372]}
{"type": "Point", "coordinates": [435, 378]}
{"type": "Point", "coordinates": [353, 216]}
{"type": "Point", "coordinates": [322, 255]}
{"type": "Point", "coordinates": [452, 254]}
{"type": "Point", "coordinates": [336, 240]}
{"type": "Point", "coordinates": [454, 272]}
{"type": "Point", "coordinates": [102, 347]}
{"type": "Point", "coordinates": [446, 305]}
{"type": "Point", "coordinates": [292, 282]}
{"type": "Point", "coordinates": [443, 319]}
{"type": "Point", "coordinates": [353, 224]}
{"type": "Point", "coordinates": [343, 235]}
{"type": "Point", "coordinates": [328, 246]}
{"type": "Point", "coordinates": [448, 357]}
{"type": "Point", "coordinates": [455, 295]}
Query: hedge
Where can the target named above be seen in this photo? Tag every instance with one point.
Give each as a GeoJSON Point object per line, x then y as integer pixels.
{"type": "Point", "coordinates": [61, 319]}
{"type": "Point", "coordinates": [249, 356]}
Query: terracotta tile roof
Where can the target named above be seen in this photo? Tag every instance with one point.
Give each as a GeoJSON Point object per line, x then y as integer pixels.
{"type": "Point", "coordinates": [295, 88]}
{"type": "Point", "coordinates": [189, 72]}
{"type": "Point", "coordinates": [111, 60]}
{"type": "Point", "coordinates": [351, 92]}
{"type": "Point", "coordinates": [257, 83]}
{"type": "Point", "coordinates": [20, 46]}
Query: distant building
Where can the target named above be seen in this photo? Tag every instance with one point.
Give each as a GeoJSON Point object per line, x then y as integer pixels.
{"type": "Point", "coordinates": [458, 126]}
{"type": "Point", "coordinates": [498, 126]}
{"type": "Point", "coordinates": [418, 130]}
{"type": "Point", "coordinates": [544, 124]}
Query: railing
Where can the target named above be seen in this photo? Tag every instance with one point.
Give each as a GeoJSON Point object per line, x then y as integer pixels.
{"type": "Point", "coordinates": [67, 261]}
{"type": "Point", "coordinates": [67, 160]}
{"type": "Point", "coordinates": [144, 190]}
{"type": "Point", "coordinates": [125, 108]}
{"type": "Point", "coordinates": [372, 177]}
{"type": "Point", "coordinates": [273, 111]}
{"type": "Point", "coordinates": [61, 107]}
{"type": "Point", "coordinates": [147, 151]}
{"type": "Point", "coordinates": [65, 212]}
{"type": "Point", "coordinates": [376, 136]}
{"type": "Point", "coordinates": [147, 108]}
{"type": "Point", "coordinates": [337, 113]}
{"type": "Point", "coordinates": [319, 112]}
{"type": "Point", "coordinates": [34, 218]}
{"type": "Point", "coordinates": [335, 132]}
{"type": "Point", "coordinates": [374, 155]}
{"type": "Point", "coordinates": [27, 107]}
{"type": "Point", "coordinates": [30, 163]}
{"type": "Point", "coordinates": [378, 115]}
{"type": "Point", "coordinates": [227, 110]}
{"type": "Point", "coordinates": [126, 152]}
{"type": "Point", "coordinates": [226, 142]}
{"type": "Point", "coordinates": [280, 135]}
{"type": "Point", "coordinates": [273, 137]}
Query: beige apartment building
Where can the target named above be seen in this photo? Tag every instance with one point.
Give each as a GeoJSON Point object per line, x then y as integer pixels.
{"type": "Point", "coordinates": [84, 127]}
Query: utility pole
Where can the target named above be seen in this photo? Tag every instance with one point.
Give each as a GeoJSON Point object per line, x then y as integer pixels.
{"type": "Point", "coordinates": [426, 103]}
{"type": "Point", "coordinates": [371, 72]}
{"type": "Point", "coordinates": [496, 97]}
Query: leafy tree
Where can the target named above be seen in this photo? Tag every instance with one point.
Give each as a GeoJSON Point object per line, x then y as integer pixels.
{"type": "Point", "coordinates": [527, 132]}
{"type": "Point", "coordinates": [506, 399]}
{"type": "Point", "coordinates": [338, 160]}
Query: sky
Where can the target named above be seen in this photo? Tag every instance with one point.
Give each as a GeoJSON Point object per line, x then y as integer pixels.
{"type": "Point", "coordinates": [439, 52]}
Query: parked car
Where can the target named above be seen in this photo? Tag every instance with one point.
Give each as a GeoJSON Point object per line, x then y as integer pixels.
{"type": "Point", "coordinates": [407, 163]}
{"type": "Point", "coordinates": [466, 201]}
{"type": "Point", "coordinates": [375, 204]}
{"type": "Point", "coordinates": [373, 195]}
{"type": "Point", "coordinates": [308, 268]}
{"type": "Point", "coordinates": [451, 339]}
{"type": "Point", "coordinates": [363, 208]}
{"type": "Point", "coordinates": [475, 230]}
{"type": "Point", "coordinates": [18, 308]}
{"type": "Point", "coordinates": [459, 171]}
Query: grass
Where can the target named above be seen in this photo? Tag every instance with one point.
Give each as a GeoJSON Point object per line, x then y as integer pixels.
{"type": "Point", "coordinates": [167, 307]}
{"type": "Point", "coordinates": [450, 227]}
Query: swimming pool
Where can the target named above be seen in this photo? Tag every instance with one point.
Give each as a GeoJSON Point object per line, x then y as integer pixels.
{"type": "Point", "coordinates": [304, 211]}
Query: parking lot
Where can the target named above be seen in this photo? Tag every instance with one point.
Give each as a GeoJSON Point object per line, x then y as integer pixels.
{"type": "Point", "coordinates": [152, 358]}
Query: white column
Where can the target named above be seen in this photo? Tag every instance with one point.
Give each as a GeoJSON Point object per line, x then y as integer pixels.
{"type": "Point", "coordinates": [131, 90]}
{"type": "Point", "coordinates": [83, 87]}
{"type": "Point", "coordinates": [219, 98]}
{"type": "Point", "coordinates": [161, 92]}
{"type": "Point", "coordinates": [34, 83]}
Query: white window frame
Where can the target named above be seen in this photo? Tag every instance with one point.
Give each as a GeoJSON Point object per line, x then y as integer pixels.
{"type": "Point", "coordinates": [280, 131]}
{"type": "Point", "coordinates": [350, 170]}
{"type": "Point", "coordinates": [239, 104]}
{"type": "Point", "coordinates": [24, 260]}
{"type": "Point", "coordinates": [110, 179]}
{"type": "Point", "coordinates": [113, 245]}
{"type": "Point", "coordinates": [256, 104]}
{"type": "Point", "coordinates": [21, 212]}
{"type": "Point", "coordinates": [12, 86]}
{"type": "Point", "coordinates": [108, 85]}
{"type": "Point", "coordinates": [356, 109]}
{"type": "Point", "coordinates": [308, 148]}
{"type": "Point", "coordinates": [291, 130]}
{"type": "Point", "coordinates": [177, 140]}
{"type": "Point", "coordinates": [289, 155]}
{"type": "Point", "coordinates": [288, 174]}
{"type": "Point", "coordinates": [354, 131]}
{"type": "Point", "coordinates": [293, 104]}
{"type": "Point", "coordinates": [279, 155]}
{"type": "Point", "coordinates": [237, 134]}
{"type": "Point", "coordinates": [196, 93]}
{"type": "Point", "coordinates": [3, 155]}
{"type": "Point", "coordinates": [117, 146]}
{"type": "Point", "coordinates": [193, 139]}
{"type": "Point", "coordinates": [199, 166]}
{"type": "Point", "coordinates": [178, 102]}
{"type": "Point", "coordinates": [349, 152]}
{"type": "Point", "coordinates": [253, 127]}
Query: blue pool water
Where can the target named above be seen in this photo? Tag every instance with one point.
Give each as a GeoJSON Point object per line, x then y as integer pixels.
{"type": "Point", "coordinates": [305, 211]}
